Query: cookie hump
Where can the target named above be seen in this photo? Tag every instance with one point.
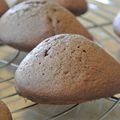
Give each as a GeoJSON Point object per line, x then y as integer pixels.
{"type": "Point", "coordinates": [67, 69]}
{"type": "Point", "coordinates": [77, 7]}
{"type": "Point", "coordinates": [28, 23]}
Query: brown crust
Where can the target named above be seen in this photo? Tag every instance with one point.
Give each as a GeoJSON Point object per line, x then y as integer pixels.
{"type": "Point", "coordinates": [35, 21]}
{"type": "Point", "coordinates": [4, 112]}
{"type": "Point", "coordinates": [77, 7]}
{"type": "Point", "coordinates": [3, 7]}
{"type": "Point", "coordinates": [67, 69]}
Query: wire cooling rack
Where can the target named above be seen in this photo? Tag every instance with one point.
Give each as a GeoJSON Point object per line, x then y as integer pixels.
{"type": "Point", "coordinates": [99, 21]}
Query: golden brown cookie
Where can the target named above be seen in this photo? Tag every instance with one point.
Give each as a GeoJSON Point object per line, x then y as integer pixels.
{"type": "Point", "coordinates": [3, 7]}
{"type": "Point", "coordinates": [27, 24]}
{"type": "Point", "coordinates": [67, 69]}
{"type": "Point", "coordinates": [77, 7]}
{"type": "Point", "coordinates": [4, 112]}
{"type": "Point", "coordinates": [116, 25]}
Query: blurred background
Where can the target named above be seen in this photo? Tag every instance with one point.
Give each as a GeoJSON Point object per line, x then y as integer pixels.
{"type": "Point", "coordinates": [98, 20]}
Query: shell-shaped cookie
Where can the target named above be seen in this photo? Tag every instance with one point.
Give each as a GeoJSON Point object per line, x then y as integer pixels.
{"type": "Point", "coordinates": [67, 69]}
{"type": "Point", "coordinates": [28, 23]}
{"type": "Point", "coordinates": [77, 7]}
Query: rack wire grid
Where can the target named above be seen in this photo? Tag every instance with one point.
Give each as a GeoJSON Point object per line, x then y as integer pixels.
{"type": "Point", "coordinates": [99, 21]}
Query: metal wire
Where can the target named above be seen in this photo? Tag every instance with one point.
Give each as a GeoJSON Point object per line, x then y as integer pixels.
{"type": "Point", "coordinates": [24, 108]}
{"type": "Point", "coordinates": [109, 110]}
{"type": "Point", "coordinates": [114, 99]}
{"type": "Point", "coordinates": [9, 63]}
{"type": "Point", "coordinates": [2, 81]}
{"type": "Point", "coordinates": [12, 60]}
{"type": "Point", "coordinates": [13, 94]}
{"type": "Point", "coordinates": [54, 117]}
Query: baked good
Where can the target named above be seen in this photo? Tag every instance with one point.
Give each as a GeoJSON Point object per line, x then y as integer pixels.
{"type": "Point", "coordinates": [67, 69]}
{"type": "Point", "coordinates": [30, 22]}
{"type": "Point", "coordinates": [4, 112]}
{"type": "Point", "coordinates": [3, 7]}
{"type": "Point", "coordinates": [11, 3]}
{"type": "Point", "coordinates": [77, 7]}
{"type": "Point", "coordinates": [116, 24]}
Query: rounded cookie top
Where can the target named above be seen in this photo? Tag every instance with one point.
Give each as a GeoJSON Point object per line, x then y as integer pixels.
{"type": "Point", "coordinates": [4, 112]}
{"type": "Point", "coordinates": [77, 7]}
{"type": "Point", "coordinates": [67, 69]}
{"type": "Point", "coordinates": [28, 23]}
